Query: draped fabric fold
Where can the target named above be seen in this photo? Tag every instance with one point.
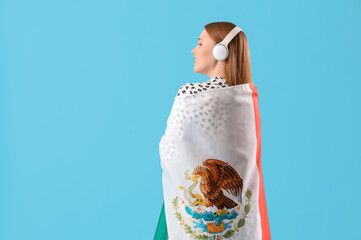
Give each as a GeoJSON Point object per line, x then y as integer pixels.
{"type": "Point", "coordinates": [211, 168]}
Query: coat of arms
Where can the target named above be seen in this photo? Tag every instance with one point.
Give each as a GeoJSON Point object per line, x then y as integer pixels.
{"type": "Point", "coordinates": [212, 178]}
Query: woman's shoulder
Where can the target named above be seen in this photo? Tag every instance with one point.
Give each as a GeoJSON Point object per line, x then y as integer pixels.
{"type": "Point", "coordinates": [194, 88]}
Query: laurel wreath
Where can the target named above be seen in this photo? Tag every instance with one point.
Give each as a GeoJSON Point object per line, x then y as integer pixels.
{"type": "Point", "coordinates": [228, 234]}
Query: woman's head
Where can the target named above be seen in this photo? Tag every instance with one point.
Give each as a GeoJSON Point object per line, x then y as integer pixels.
{"type": "Point", "coordinates": [236, 69]}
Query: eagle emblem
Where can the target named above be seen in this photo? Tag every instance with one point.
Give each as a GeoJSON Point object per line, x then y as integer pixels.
{"type": "Point", "coordinates": [214, 177]}
{"type": "Point", "coordinates": [218, 175]}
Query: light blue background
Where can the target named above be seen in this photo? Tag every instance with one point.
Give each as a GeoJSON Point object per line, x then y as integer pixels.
{"type": "Point", "coordinates": [86, 88]}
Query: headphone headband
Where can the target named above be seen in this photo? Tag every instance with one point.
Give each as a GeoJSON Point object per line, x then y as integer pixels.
{"type": "Point", "coordinates": [230, 36]}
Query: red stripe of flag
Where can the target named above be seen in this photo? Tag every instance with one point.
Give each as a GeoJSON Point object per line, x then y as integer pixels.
{"type": "Point", "coordinates": [266, 234]}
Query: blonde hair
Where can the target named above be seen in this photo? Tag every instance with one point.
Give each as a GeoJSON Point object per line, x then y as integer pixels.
{"type": "Point", "coordinates": [238, 63]}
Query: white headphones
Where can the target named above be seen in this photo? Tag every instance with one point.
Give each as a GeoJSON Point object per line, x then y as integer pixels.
{"type": "Point", "coordinates": [220, 50]}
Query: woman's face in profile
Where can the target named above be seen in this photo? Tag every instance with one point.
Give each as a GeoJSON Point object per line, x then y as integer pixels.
{"type": "Point", "coordinates": [204, 60]}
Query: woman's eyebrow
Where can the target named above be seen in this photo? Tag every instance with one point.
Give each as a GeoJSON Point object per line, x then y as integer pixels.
{"type": "Point", "coordinates": [199, 38]}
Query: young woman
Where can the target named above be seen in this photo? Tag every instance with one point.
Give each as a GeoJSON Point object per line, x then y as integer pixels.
{"type": "Point", "coordinates": [211, 150]}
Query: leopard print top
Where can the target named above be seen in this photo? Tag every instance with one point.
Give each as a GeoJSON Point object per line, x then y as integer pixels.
{"type": "Point", "coordinates": [193, 88]}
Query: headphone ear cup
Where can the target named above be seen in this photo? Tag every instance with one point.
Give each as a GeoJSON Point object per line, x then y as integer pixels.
{"type": "Point", "coordinates": [220, 52]}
